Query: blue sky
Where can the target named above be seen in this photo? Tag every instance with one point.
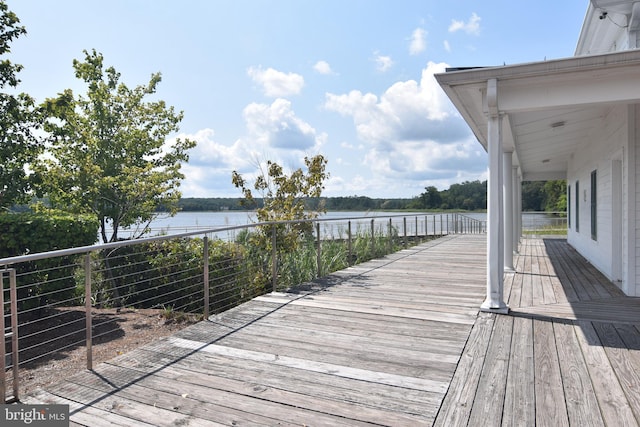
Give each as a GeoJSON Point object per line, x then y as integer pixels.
{"type": "Point", "coordinates": [281, 79]}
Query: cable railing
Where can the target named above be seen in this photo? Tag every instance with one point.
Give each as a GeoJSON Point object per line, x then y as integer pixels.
{"type": "Point", "coordinates": [544, 223]}
{"type": "Point", "coordinates": [52, 302]}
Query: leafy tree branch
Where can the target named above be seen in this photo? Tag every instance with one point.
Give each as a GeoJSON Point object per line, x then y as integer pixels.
{"type": "Point", "coordinates": [108, 150]}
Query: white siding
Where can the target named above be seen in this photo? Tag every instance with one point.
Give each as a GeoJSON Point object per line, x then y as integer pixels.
{"type": "Point", "coordinates": [634, 217]}
{"type": "Point", "coordinates": [597, 154]}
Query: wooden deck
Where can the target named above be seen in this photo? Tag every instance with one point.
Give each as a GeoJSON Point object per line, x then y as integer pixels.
{"type": "Point", "coordinates": [395, 341]}
{"type": "Point", "coordinates": [568, 354]}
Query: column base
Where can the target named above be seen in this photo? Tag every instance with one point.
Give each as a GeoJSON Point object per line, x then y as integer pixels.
{"type": "Point", "coordinates": [492, 307]}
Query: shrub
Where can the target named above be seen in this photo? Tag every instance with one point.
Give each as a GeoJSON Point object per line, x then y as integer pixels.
{"type": "Point", "coordinates": [45, 281]}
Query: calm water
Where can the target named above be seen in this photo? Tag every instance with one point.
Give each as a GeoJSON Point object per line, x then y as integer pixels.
{"type": "Point", "coordinates": [185, 222]}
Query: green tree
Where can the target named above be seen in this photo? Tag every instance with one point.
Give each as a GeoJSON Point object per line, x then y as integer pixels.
{"type": "Point", "coordinates": [550, 196]}
{"type": "Point", "coordinates": [533, 196]}
{"type": "Point", "coordinates": [555, 196]}
{"type": "Point", "coordinates": [470, 195]}
{"type": "Point", "coordinates": [109, 154]}
{"type": "Point", "coordinates": [284, 200]}
{"type": "Point", "coordinates": [18, 119]}
{"type": "Point", "coordinates": [431, 198]}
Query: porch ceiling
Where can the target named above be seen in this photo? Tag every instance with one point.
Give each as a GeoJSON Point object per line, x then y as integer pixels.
{"type": "Point", "coordinates": [545, 140]}
{"type": "Point", "coordinates": [549, 108]}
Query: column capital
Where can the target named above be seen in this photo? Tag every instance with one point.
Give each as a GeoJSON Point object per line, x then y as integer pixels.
{"type": "Point", "coordinates": [492, 98]}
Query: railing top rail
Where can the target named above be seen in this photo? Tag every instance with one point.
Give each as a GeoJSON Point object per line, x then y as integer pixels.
{"type": "Point", "coordinates": [471, 218]}
{"type": "Point", "coordinates": [104, 246]}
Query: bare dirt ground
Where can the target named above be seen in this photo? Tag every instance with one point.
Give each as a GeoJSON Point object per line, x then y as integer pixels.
{"type": "Point", "coordinates": [115, 332]}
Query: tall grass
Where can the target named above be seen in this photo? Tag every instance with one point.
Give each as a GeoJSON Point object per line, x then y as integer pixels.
{"type": "Point", "coordinates": [301, 265]}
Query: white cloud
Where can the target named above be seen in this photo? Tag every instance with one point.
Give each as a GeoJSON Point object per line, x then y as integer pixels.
{"type": "Point", "coordinates": [208, 173]}
{"type": "Point", "coordinates": [208, 152]}
{"type": "Point", "coordinates": [276, 127]}
{"type": "Point", "coordinates": [275, 83]}
{"type": "Point", "coordinates": [347, 145]}
{"type": "Point", "coordinates": [472, 26]}
{"type": "Point", "coordinates": [355, 185]}
{"type": "Point", "coordinates": [323, 67]}
{"type": "Point", "coordinates": [383, 63]}
{"type": "Point", "coordinates": [447, 46]}
{"type": "Point", "coordinates": [273, 132]}
{"type": "Point", "coordinates": [407, 110]}
{"type": "Point", "coordinates": [412, 131]}
{"type": "Point", "coordinates": [418, 41]}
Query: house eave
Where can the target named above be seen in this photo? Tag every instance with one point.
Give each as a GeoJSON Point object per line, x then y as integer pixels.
{"type": "Point", "coordinates": [542, 97]}
{"type": "Point", "coordinates": [480, 75]}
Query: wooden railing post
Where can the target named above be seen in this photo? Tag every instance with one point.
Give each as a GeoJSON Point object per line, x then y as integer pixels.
{"type": "Point", "coordinates": [274, 259]}
{"type": "Point", "coordinates": [390, 233]}
{"type": "Point", "coordinates": [3, 368]}
{"type": "Point", "coordinates": [319, 250]}
{"type": "Point", "coordinates": [13, 302]}
{"type": "Point", "coordinates": [373, 239]}
{"type": "Point", "coordinates": [349, 248]}
{"type": "Point", "coordinates": [87, 309]}
{"type": "Point", "coordinates": [404, 224]}
{"type": "Point", "coordinates": [13, 294]}
{"type": "Point", "coordinates": [205, 276]}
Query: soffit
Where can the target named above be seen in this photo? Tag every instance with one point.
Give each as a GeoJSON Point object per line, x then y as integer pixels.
{"type": "Point", "coordinates": [549, 108]}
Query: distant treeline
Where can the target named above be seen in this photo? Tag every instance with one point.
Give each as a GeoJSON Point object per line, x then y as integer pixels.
{"type": "Point", "coordinates": [469, 195]}
{"type": "Point", "coordinates": [349, 203]}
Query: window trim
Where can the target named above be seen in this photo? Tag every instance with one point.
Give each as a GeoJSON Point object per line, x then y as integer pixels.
{"type": "Point", "coordinates": [594, 205]}
{"type": "Point", "coordinates": [577, 206]}
{"type": "Point", "coordinates": [569, 212]}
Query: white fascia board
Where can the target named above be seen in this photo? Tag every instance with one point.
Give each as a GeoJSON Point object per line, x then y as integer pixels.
{"type": "Point", "coordinates": [569, 90]}
{"type": "Point", "coordinates": [614, 77]}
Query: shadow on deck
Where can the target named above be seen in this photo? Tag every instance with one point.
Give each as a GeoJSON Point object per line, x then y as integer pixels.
{"type": "Point", "coordinates": [394, 341]}
{"type": "Point", "coordinates": [568, 353]}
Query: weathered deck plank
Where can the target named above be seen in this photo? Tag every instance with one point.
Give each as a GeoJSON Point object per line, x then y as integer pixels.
{"type": "Point", "coordinates": [519, 407]}
{"type": "Point", "coordinates": [551, 408]}
{"type": "Point", "coordinates": [574, 358]}
{"type": "Point", "coordinates": [373, 344]}
{"type": "Point", "coordinates": [582, 405]}
{"type": "Point", "coordinates": [457, 404]}
{"type": "Point", "coordinates": [395, 341]}
{"type": "Point", "coordinates": [489, 400]}
{"type": "Point", "coordinates": [613, 403]}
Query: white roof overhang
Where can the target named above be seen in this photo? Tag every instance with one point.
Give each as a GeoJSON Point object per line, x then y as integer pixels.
{"type": "Point", "coordinates": [549, 108]}
{"type": "Point", "coordinates": [605, 27]}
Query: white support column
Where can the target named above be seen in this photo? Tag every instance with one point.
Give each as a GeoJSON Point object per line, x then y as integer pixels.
{"type": "Point", "coordinates": [517, 206]}
{"type": "Point", "coordinates": [519, 216]}
{"type": "Point", "coordinates": [507, 188]}
{"type": "Point", "coordinates": [495, 225]}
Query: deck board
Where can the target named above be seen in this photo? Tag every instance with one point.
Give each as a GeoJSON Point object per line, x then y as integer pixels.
{"type": "Point", "coordinates": [551, 408]}
{"type": "Point", "coordinates": [394, 341]}
{"type": "Point", "coordinates": [574, 354]}
{"type": "Point", "coordinates": [519, 408]}
{"type": "Point", "coordinates": [373, 344]}
{"type": "Point", "coordinates": [489, 399]}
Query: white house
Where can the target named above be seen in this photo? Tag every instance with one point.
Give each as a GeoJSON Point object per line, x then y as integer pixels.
{"type": "Point", "coordinates": [577, 119]}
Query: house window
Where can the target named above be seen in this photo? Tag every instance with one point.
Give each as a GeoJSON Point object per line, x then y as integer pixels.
{"type": "Point", "coordinates": [594, 205]}
{"type": "Point", "coordinates": [568, 206]}
{"type": "Point", "coordinates": [577, 206]}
